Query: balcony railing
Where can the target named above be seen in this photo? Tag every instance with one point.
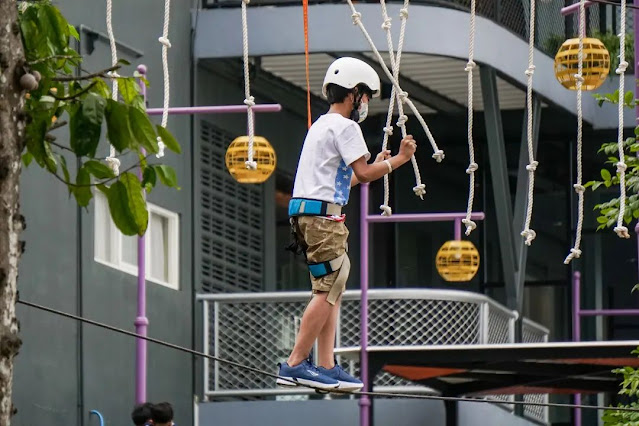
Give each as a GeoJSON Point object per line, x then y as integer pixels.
{"type": "Point", "coordinates": [552, 27]}
{"type": "Point", "coordinates": [259, 329]}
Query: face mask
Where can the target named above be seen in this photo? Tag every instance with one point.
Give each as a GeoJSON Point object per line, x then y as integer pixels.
{"type": "Point", "coordinates": [360, 112]}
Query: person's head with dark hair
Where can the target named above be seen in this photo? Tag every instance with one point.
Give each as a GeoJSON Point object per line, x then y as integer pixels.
{"type": "Point", "coordinates": [350, 83]}
{"type": "Point", "coordinates": [141, 414]}
{"type": "Point", "coordinates": [162, 414]}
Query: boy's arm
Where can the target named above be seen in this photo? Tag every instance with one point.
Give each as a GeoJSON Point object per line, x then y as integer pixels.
{"type": "Point", "coordinates": [384, 155]}
{"type": "Point", "coordinates": [365, 172]}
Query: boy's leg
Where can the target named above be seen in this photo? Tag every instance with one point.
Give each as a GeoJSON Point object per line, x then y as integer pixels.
{"type": "Point", "coordinates": [315, 317]}
{"type": "Point", "coordinates": [326, 339]}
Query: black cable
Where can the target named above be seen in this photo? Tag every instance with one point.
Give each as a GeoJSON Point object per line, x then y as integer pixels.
{"type": "Point", "coordinates": [338, 391]}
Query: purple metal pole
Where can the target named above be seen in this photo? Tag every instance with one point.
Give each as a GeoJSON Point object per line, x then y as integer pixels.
{"type": "Point", "coordinates": [364, 401]}
{"type": "Point", "coordinates": [574, 8]}
{"type": "Point", "coordinates": [458, 229]}
{"type": "Point", "coordinates": [609, 312]}
{"type": "Point", "coordinates": [424, 217]}
{"type": "Point", "coordinates": [576, 329]}
{"type": "Point", "coordinates": [141, 321]}
{"type": "Point", "coordinates": [217, 109]}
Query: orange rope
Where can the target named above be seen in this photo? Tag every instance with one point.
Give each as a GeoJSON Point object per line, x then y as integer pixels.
{"type": "Point", "coordinates": [308, 76]}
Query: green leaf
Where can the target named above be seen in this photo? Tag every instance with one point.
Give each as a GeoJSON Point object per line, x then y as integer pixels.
{"type": "Point", "coordinates": [130, 92]}
{"type": "Point", "coordinates": [118, 127]}
{"type": "Point", "coordinates": [605, 174]}
{"type": "Point", "coordinates": [168, 139]}
{"type": "Point", "coordinates": [65, 171]}
{"type": "Point", "coordinates": [123, 62]}
{"type": "Point", "coordinates": [99, 170]}
{"type": "Point", "coordinates": [85, 125]}
{"type": "Point", "coordinates": [143, 130]}
{"type": "Point", "coordinates": [127, 205]}
{"type": "Point", "coordinates": [27, 157]}
{"type": "Point", "coordinates": [166, 174]}
{"type": "Point", "coordinates": [629, 97]}
{"type": "Point", "coordinates": [149, 178]}
{"type": "Point", "coordinates": [73, 32]}
{"type": "Point", "coordinates": [55, 27]}
{"type": "Point", "coordinates": [35, 140]}
{"type": "Point", "coordinates": [602, 219]}
{"type": "Point", "coordinates": [83, 192]}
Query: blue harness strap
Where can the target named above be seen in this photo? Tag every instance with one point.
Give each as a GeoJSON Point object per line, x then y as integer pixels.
{"type": "Point", "coordinates": [310, 207]}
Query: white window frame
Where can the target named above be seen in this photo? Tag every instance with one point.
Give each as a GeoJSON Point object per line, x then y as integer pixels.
{"type": "Point", "coordinates": [116, 238]}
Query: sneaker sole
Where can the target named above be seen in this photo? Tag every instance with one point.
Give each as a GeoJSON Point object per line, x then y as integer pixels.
{"type": "Point", "coordinates": [348, 386]}
{"type": "Point", "coordinates": [319, 385]}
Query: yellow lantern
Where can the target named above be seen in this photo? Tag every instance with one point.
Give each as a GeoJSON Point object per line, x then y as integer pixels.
{"type": "Point", "coordinates": [596, 63]}
{"type": "Point", "coordinates": [263, 155]}
{"type": "Point", "coordinates": [457, 261]}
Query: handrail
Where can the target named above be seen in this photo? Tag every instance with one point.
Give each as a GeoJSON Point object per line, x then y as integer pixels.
{"type": "Point", "coordinates": [99, 415]}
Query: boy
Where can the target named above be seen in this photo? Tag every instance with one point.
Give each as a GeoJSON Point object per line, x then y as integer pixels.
{"type": "Point", "coordinates": [333, 159]}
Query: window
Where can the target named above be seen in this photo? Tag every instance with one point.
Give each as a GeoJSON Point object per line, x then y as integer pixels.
{"type": "Point", "coordinates": [121, 251]}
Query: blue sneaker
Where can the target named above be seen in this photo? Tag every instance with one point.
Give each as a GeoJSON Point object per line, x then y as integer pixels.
{"type": "Point", "coordinates": [304, 373]}
{"type": "Point", "coordinates": [345, 380]}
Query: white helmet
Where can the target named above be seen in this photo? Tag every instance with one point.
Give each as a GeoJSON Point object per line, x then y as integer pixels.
{"type": "Point", "coordinates": [349, 72]}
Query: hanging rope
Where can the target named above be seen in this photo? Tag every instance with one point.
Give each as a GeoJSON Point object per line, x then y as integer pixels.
{"type": "Point", "coordinates": [620, 229]}
{"type": "Point", "coordinates": [575, 252]}
{"type": "Point", "coordinates": [438, 154]}
{"type": "Point", "coordinates": [249, 100]}
{"type": "Point", "coordinates": [306, 58]}
{"type": "Point", "coordinates": [395, 60]}
{"type": "Point", "coordinates": [472, 166]}
{"type": "Point", "coordinates": [528, 233]}
{"type": "Point", "coordinates": [112, 161]}
{"type": "Point", "coordinates": [166, 44]}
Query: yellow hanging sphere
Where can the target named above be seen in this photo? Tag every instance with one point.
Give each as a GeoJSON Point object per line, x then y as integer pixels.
{"type": "Point", "coordinates": [263, 155]}
{"type": "Point", "coordinates": [457, 261]}
{"type": "Point", "coordinates": [596, 63]}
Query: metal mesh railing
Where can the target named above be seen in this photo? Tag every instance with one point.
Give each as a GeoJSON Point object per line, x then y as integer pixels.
{"type": "Point", "coordinates": [259, 330]}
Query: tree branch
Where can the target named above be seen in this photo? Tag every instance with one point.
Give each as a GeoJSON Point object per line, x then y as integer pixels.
{"type": "Point", "coordinates": [76, 95]}
{"type": "Point", "coordinates": [37, 61]}
{"type": "Point", "coordinates": [52, 142]}
{"type": "Point", "coordinates": [57, 125]}
{"type": "Point", "coordinates": [88, 76]}
{"type": "Point", "coordinates": [75, 185]}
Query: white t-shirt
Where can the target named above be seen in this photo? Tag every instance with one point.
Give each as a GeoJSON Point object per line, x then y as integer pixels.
{"type": "Point", "coordinates": [332, 144]}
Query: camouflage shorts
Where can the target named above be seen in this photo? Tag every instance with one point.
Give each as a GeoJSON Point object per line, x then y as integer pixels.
{"type": "Point", "coordinates": [323, 240]}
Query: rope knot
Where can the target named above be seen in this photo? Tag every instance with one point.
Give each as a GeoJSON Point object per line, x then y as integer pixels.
{"type": "Point", "coordinates": [388, 131]}
{"type": "Point", "coordinates": [575, 253]}
{"type": "Point", "coordinates": [250, 101]}
{"type": "Point", "coordinates": [251, 165]}
{"type": "Point", "coordinates": [623, 65]}
{"type": "Point", "coordinates": [113, 74]}
{"type": "Point", "coordinates": [114, 164]}
{"type": "Point", "coordinates": [161, 146]}
{"type": "Point", "coordinates": [387, 24]}
{"type": "Point", "coordinates": [579, 78]}
{"type": "Point", "coordinates": [357, 17]}
{"type": "Point", "coordinates": [470, 226]}
{"type": "Point", "coordinates": [165, 41]}
{"type": "Point", "coordinates": [579, 189]}
{"type": "Point", "coordinates": [530, 71]}
{"type": "Point", "coordinates": [403, 96]}
{"type": "Point", "coordinates": [403, 12]}
{"type": "Point", "coordinates": [402, 120]}
{"type": "Point", "coordinates": [472, 167]}
{"type": "Point", "coordinates": [386, 210]}
{"type": "Point", "coordinates": [420, 190]}
{"type": "Point", "coordinates": [622, 232]}
{"type": "Point", "coordinates": [532, 166]}
{"type": "Point", "coordinates": [470, 65]}
{"type": "Point", "coordinates": [529, 235]}
{"type": "Point", "coordinates": [439, 155]}
{"type": "Point", "coordinates": [621, 167]}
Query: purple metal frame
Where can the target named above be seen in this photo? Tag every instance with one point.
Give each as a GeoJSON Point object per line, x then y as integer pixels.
{"type": "Point", "coordinates": [141, 320]}
{"type": "Point", "coordinates": [577, 311]}
{"type": "Point", "coordinates": [365, 220]}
